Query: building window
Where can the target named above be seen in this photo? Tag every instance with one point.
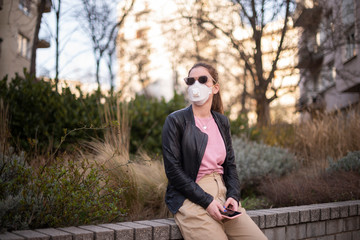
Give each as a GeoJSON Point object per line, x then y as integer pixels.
{"type": "Point", "coordinates": [25, 6]}
{"type": "Point", "coordinates": [327, 76]}
{"type": "Point", "coordinates": [348, 12]}
{"type": "Point", "coordinates": [348, 21]}
{"type": "Point", "coordinates": [23, 46]}
{"type": "Point", "coordinates": [350, 47]}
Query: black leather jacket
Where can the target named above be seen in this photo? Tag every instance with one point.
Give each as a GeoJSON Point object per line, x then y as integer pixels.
{"type": "Point", "coordinates": [183, 147]}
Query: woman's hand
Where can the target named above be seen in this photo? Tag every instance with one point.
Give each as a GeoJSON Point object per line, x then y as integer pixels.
{"type": "Point", "coordinates": [214, 209]}
{"type": "Point", "coordinates": [232, 204]}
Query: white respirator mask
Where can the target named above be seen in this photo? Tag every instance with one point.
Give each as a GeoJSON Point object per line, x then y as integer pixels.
{"type": "Point", "coordinates": [199, 93]}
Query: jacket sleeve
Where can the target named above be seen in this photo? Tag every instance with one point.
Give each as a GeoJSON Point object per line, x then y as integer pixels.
{"type": "Point", "coordinates": [231, 178]}
{"type": "Point", "coordinates": [171, 144]}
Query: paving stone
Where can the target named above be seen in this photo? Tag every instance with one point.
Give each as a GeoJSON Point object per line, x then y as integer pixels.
{"type": "Point", "coordinates": [78, 233]}
{"type": "Point", "coordinates": [332, 237]}
{"type": "Point", "coordinates": [334, 212]}
{"type": "Point", "coordinates": [325, 213]}
{"type": "Point", "coordinates": [351, 223]}
{"type": "Point", "coordinates": [142, 232]}
{"type": "Point", "coordinates": [356, 235]}
{"type": "Point", "coordinates": [282, 219]}
{"type": "Point", "coordinates": [296, 232]}
{"type": "Point", "coordinates": [304, 215]}
{"type": "Point", "coordinates": [160, 231]}
{"type": "Point", "coordinates": [270, 218]}
{"type": "Point", "coordinates": [294, 217]}
{"type": "Point", "coordinates": [10, 236]}
{"type": "Point", "coordinates": [315, 215]}
{"type": "Point", "coordinates": [344, 211]}
{"type": "Point", "coordinates": [33, 235]}
{"type": "Point", "coordinates": [315, 229]}
{"type": "Point", "coordinates": [334, 226]}
{"type": "Point", "coordinates": [174, 229]}
{"type": "Point", "coordinates": [55, 234]}
{"type": "Point", "coordinates": [261, 217]}
{"type": "Point", "coordinates": [100, 233]}
{"type": "Point", "coordinates": [282, 215]}
{"type": "Point", "coordinates": [121, 232]}
{"type": "Point", "coordinates": [344, 236]}
{"type": "Point", "coordinates": [353, 209]}
{"type": "Point", "coordinates": [275, 233]}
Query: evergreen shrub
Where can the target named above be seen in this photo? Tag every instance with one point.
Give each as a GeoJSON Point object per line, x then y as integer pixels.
{"type": "Point", "coordinates": [40, 116]}
{"type": "Point", "coordinates": [64, 193]}
{"type": "Point", "coordinates": [147, 116]}
{"type": "Point", "coordinates": [256, 161]}
{"type": "Point", "coordinates": [351, 162]}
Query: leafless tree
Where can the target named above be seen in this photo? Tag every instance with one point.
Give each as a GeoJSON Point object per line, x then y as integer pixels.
{"type": "Point", "coordinates": [254, 16]}
{"type": "Point", "coordinates": [110, 54]}
{"type": "Point", "coordinates": [101, 23]}
{"type": "Point", "coordinates": [57, 9]}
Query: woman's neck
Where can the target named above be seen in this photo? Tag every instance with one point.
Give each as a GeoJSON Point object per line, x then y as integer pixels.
{"type": "Point", "coordinates": [202, 111]}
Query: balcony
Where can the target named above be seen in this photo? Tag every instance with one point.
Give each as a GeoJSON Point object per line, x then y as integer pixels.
{"type": "Point", "coordinates": [307, 17]}
{"type": "Point", "coordinates": [309, 59]}
{"type": "Point", "coordinates": [43, 44]}
{"type": "Point", "coordinates": [48, 5]}
{"type": "Point", "coordinates": [348, 84]}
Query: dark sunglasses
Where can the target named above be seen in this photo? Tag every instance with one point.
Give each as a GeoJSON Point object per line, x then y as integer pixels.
{"type": "Point", "coordinates": [191, 80]}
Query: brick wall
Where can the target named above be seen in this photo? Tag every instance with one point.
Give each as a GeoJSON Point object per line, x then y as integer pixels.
{"type": "Point", "coordinates": [329, 221]}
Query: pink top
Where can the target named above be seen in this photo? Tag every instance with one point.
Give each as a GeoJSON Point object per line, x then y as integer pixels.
{"type": "Point", "coordinates": [215, 151]}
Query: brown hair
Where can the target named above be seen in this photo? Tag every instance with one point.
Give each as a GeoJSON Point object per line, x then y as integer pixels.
{"type": "Point", "coordinates": [217, 104]}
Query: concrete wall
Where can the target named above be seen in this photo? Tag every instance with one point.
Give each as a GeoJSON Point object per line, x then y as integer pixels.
{"type": "Point", "coordinates": [14, 21]}
{"type": "Point", "coordinates": [329, 221]}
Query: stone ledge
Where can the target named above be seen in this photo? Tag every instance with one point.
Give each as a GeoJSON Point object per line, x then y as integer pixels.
{"type": "Point", "coordinates": [328, 220]}
{"type": "Point", "coordinates": [78, 233]}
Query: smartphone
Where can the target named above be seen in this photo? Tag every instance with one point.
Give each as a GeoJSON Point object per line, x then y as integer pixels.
{"type": "Point", "coordinates": [228, 213]}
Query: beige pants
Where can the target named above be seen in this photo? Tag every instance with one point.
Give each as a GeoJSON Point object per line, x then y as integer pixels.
{"type": "Point", "coordinates": [196, 224]}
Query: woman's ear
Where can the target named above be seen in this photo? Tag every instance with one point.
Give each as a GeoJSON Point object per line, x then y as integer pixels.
{"type": "Point", "coordinates": [215, 89]}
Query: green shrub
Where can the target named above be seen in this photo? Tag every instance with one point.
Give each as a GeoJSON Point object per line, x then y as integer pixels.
{"type": "Point", "coordinates": [278, 134]}
{"type": "Point", "coordinates": [39, 115]}
{"type": "Point", "coordinates": [256, 161]}
{"type": "Point", "coordinates": [147, 117]}
{"type": "Point", "coordinates": [15, 175]}
{"type": "Point", "coordinates": [65, 193]}
{"type": "Point", "coordinates": [240, 125]}
{"type": "Point", "coordinates": [351, 162]}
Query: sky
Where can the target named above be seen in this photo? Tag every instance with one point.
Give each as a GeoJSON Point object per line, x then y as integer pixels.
{"type": "Point", "coordinates": [76, 57]}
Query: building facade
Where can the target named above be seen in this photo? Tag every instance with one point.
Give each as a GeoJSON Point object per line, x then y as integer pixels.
{"type": "Point", "coordinates": [17, 26]}
{"type": "Point", "coordinates": [328, 55]}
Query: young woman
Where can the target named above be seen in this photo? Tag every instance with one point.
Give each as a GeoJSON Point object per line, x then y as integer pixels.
{"type": "Point", "coordinates": [200, 165]}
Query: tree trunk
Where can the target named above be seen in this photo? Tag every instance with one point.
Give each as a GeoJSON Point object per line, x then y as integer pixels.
{"type": "Point", "coordinates": [111, 74]}
{"type": "Point", "coordinates": [40, 11]}
{"type": "Point", "coordinates": [244, 94]}
{"type": "Point", "coordinates": [263, 111]}
{"type": "Point", "coordinates": [97, 73]}
{"type": "Point", "coordinates": [57, 45]}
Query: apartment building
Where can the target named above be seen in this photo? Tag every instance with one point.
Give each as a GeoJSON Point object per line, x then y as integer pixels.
{"type": "Point", "coordinates": [17, 26]}
{"type": "Point", "coordinates": [328, 55]}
